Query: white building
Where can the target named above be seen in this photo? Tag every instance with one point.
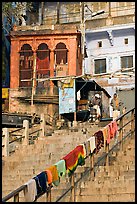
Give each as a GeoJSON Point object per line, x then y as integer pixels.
{"type": "Point", "coordinates": [111, 57]}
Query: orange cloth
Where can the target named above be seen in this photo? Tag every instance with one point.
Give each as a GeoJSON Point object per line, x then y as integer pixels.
{"type": "Point", "coordinates": [105, 135]}
{"type": "Point", "coordinates": [49, 176]}
{"type": "Point", "coordinates": [54, 173]}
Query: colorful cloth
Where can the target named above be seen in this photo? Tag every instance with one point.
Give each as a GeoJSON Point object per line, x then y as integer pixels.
{"type": "Point", "coordinates": [92, 143]}
{"type": "Point", "coordinates": [49, 176]}
{"type": "Point", "coordinates": [31, 191]}
{"type": "Point", "coordinates": [61, 167]}
{"type": "Point", "coordinates": [113, 129]}
{"type": "Point", "coordinates": [105, 135]}
{"type": "Point", "coordinates": [99, 140]}
{"type": "Point", "coordinates": [74, 158]}
{"type": "Point", "coordinates": [109, 135]}
{"type": "Point", "coordinates": [41, 183]}
{"type": "Point", "coordinates": [84, 149]}
{"type": "Point", "coordinates": [55, 177]}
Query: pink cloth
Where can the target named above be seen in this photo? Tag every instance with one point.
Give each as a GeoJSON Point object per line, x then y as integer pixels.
{"type": "Point", "coordinates": [112, 130]}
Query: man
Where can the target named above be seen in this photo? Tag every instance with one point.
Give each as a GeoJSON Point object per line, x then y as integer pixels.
{"type": "Point", "coordinates": [96, 104]}
{"type": "Point", "coordinates": [115, 104]}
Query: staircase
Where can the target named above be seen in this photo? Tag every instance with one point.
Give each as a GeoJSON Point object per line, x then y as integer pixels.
{"type": "Point", "coordinates": [113, 183]}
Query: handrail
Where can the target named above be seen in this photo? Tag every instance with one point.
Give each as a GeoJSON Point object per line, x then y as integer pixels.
{"type": "Point", "coordinates": [12, 194]}
{"type": "Point", "coordinates": [122, 115]}
{"type": "Point", "coordinates": [16, 130]}
{"type": "Point", "coordinates": [16, 139]}
{"type": "Point", "coordinates": [35, 131]}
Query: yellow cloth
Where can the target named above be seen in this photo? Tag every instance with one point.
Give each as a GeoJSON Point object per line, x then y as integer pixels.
{"type": "Point", "coordinates": [105, 135]}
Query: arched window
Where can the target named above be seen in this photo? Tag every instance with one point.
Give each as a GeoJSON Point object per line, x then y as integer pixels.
{"type": "Point", "coordinates": [25, 66]}
{"type": "Point", "coordinates": [61, 56]}
{"type": "Point", "coordinates": [43, 61]}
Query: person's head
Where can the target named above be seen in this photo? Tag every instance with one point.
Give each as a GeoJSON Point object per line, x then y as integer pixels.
{"type": "Point", "coordinates": [97, 96]}
{"type": "Point", "coordinates": [115, 95]}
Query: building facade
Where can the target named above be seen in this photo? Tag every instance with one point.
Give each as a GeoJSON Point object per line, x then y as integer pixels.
{"type": "Point", "coordinates": [53, 30]}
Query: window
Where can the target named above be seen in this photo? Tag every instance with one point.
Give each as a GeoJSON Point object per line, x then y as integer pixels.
{"type": "Point", "coordinates": [126, 41]}
{"type": "Point", "coordinates": [25, 66]}
{"type": "Point", "coordinates": [100, 66]}
{"type": "Point", "coordinates": [100, 44]}
{"type": "Point", "coordinates": [126, 62]}
{"type": "Point", "coordinates": [61, 54]}
{"type": "Point", "coordinates": [43, 61]}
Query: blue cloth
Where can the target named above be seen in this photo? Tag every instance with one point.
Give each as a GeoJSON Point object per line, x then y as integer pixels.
{"type": "Point", "coordinates": [41, 183]}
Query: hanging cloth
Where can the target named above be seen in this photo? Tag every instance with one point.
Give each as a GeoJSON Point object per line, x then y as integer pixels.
{"type": "Point", "coordinates": [55, 177]}
{"type": "Point", "coordinates": [105, 135]}
{"type": "Point", "coordinates": [31, 192]}
{"type": "Point", "coordinates": [61, 167]}
{"type": "Point", "coordinates": [92, 144]}
{"type": "Point", "coordinates": [49, 176]}
{"type": "Point", "coordinates": [99, 140]}
{"type": "Point", "coordinates": [41, 183]}
{"type": "Point", "coordinates": [74, 158]}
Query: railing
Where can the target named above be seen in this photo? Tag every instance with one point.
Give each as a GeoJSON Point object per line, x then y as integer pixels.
{"type": "Point", "coordinates": [123, 121]}
{"type": "Point", "coordinates": [26, 137]}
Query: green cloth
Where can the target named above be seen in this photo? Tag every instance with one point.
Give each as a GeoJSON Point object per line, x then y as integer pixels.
{"type": "Point", "coordinates": [61, 167]}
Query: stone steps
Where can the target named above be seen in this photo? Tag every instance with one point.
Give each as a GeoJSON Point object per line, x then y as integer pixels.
{"type": "Point", "coordinates": [31, 160]}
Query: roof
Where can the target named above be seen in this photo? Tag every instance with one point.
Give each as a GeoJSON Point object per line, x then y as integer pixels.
{"type": "Point", "coordinates": [82, 79]}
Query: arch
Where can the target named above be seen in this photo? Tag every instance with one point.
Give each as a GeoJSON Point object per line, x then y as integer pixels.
{"type": "Point", "coordinates": [61, 54]}
{"type": "Point", "coordinates": [43, 60]}
{"type": "Point", "coordinates": [25, 65]}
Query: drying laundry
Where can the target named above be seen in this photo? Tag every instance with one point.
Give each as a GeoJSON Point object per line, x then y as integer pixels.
{"type": "Point", "coordinates": [49, 176]}
{"type": "Point", "coordinates": [54, 172]}
{"type": "Point", "coordinates": [61, 167]}
{"type": "Point", "coordinates": [99, 140]}
{"type": "Point", "coordinates": [106, 136]}
{"type": "Point", "coordinates": [92, 144]}
{"type": "Point", "coordinates": [74, 158]}
{"type": "Point", "coordinates": [113, 128]}
{"type": "Point", "coordinates": [41, 183]}
{"type": "Point", "coordinates": [30, 191]}
{"type": "Point", "coordinates": [84, 149]}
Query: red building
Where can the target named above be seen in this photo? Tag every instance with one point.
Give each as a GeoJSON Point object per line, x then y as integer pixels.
{"type": "Point", "coordinates": [37, 55]}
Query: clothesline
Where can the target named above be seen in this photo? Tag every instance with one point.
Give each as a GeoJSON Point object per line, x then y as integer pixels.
{"type": "Point", "coordinates": [67, 165]}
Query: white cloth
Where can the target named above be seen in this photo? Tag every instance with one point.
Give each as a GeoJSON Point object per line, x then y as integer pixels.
{"type": "Point", "coordinates": [78, 95]}
{"type": "Point", "coordinates": [31, 191]}
{"type": "Point", "coordinates": [92, 144]}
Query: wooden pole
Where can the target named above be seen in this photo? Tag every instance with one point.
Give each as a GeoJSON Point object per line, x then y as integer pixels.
{"type": "Point", "coordinates": [42, 124]}
{"type": "Point", "coordinates": [92, 165]}
{"type": "Point", "coordinates": [34, 79]}
{"type": "Point", "coordinates": [42, 12]}
{"type": "Point", "coordinates": [16, 198]}
{"type": "Point", "coordinates": [49, 195]}
{"type": "Point", "coordinates": [6, 142]}
{"type": "Point", "coordinates": [26, 132]}
{"type": "Point", "coordinates": [58, 8]}
{"type": "Point", "coordinates": [109, 9]}
{"type": "Point", "coordinates": [132, 123]}
{"type": "Point", "coordinates": [121, 132]}
{"type": "Point", "coordinates": [107, 157]}
{"type": "Point", "coordinates": [73, 188]}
